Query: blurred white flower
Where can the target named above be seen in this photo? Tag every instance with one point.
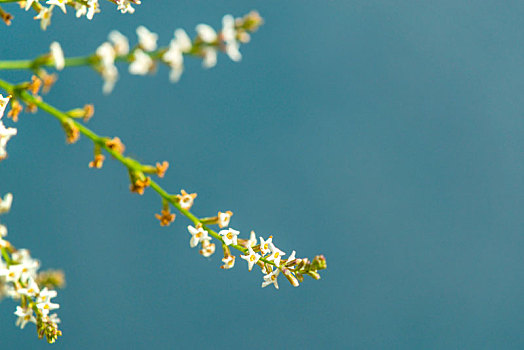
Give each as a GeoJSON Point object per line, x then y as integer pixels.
{"type": "Point", "coordinates": [124, 6]}
{"type": "Point", "coordinates": [57, 54]}
{"type": "Point", "coordinates": [183, 40]}
{"type": "Point", "coordinates": [120, 42]}
{"type": "Point", "coordinates": [5, 133]}
{"type": "Point", "coordinates": [45, 16]}
{"type": "Point", "coordinates": [210, 57]}
{"type": "Point", "coordinates": [25, 315]}
{"type": "Point", "coordinates": [59, 3]}
{"type": "Point", "coordinates": [206, 33]}
{"type": "Point", "coordinates": [146, 39]}
{"type": "Point", "coordinates": [142, 63]}
{"type": "Point", "coordinates": [229, 34]}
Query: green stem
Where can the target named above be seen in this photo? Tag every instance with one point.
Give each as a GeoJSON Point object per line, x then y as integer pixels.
{"type": "Point", "coordinates": [130, 163]}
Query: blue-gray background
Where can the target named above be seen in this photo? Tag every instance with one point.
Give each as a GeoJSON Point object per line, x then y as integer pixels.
{"type": "Point", "coordinates": [387, 136]}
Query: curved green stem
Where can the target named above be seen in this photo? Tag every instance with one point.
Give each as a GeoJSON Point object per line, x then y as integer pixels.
{"type": "Point", "coordinates": [130, 163]}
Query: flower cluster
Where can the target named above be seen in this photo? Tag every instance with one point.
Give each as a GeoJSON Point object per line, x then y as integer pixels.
{"type": "Point", "coordinates": [20, 280]}
{"type": "Point", "coordinates": [143, 58]}
{"type": "Point", "coordinates": [86, 8]}
{"type": "Point", "coordinates": [5, 133]}
{"type": "Point", "coordinates": [265, 255]}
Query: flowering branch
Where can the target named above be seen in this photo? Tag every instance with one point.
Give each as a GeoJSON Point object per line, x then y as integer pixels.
{"type": "Point", "coordinates": [271, 264]}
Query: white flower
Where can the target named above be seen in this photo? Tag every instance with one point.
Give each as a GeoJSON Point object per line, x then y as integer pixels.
{"type": "Point", "coordinates": [31, 290]}
{"type": "Point", "coordinates": [229, 34]}
{"type": "Point", "coordinates": [174, 58]}
{"type": "Point", "coordinates": [57, 54]}
{"type": "Point", "coordinates": [198, 235]}
{"type": "Point", "coordinates": [120, 42]}
{"type": "Point", "coordinates": [24, 316]}
{"type": "Point", "coordinates": [264, 245]}
{"type": "Point", "coordinates": [206, 33]}
{"type": "Point", "coordinates": [146, 39]}
{"type": "Point", "coordinates": [89, 10]}
{"type": "Point", "coordinates": [271, 278]}
{"type": "Point", "coordinates": [183, 40]}
{"type": "Point", "coordinates": [229, 236]}
{"type": "Point", "coordinates": [142, 63]}
{"type": "Point", "coordinates": [223, 218]}
{"type": "Point", "coordinates": [44, 301]}
{"type": "Point", "coordinates": [291, 258]}
{"type": "Point", "coordinates": [276, 254]}
{"type": "Point", "coordinates": [208, 249]}
{"type": "Point", "coordinates": [125, 5]}
{"type": "Point", "coordinates": [5, 133]}
{"type": "Point", "coordinates": [252, 241]}
{"type": "Point", "coordinates": [251, 258]}
{"type": "Point", "coordinates": [228, 261]}
{"type": "Point", "coordinates": [45, 16]}
{"type": "Point", "coordinates": [11, 273]}
{"type": "Point", "coordinates": [5, 204]}
{"type": "Point", "coordinates": [185, 199]}
{"type": "Point", "coordinates": [59, 3]}
{"type": "Point", "coordinates": [107, 54]}
{"type": "Point", "coordinates": [210, 57]}
{"type": "Point", "coordinates": [29, 3]}
{"type": "Point", "coordinates": [110, 76]}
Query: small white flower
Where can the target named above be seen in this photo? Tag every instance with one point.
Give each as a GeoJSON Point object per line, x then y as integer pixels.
{"type": "Point", "coordinates": [124, 6]}
{"type": "Point", "coordinates": [107, 54]}
{"type": "Point", "coordinates": [89, 10]}
{"type": "Point", "coordinates": [120, 42]}
{"type": "Point", "coordinates": [264, 245]}
{"type": "Point", "coordinates": [251, 258]}
{"type": "Point", "coordinates": [5, 133]}
{"type": "Point", "coordinates": [208, 249]}
{"type": "Point", "coordinates": [142, 63]}
{"type": "Point", "coordinates": [11, 273]}
{"type": "Point", "coordinates": [276, 254]}
{"type": "Point", "coordinates": [31, 290]}
{"type": "Point", "coordinates": [183, 40]}
{"type": "Point", "coordinates": [174, 58]}
{"type": "Point", "coordinates": [29, 3]}
{"type": "Point", "coordinates": [197, 235]}
{"type": "Point", "coordinates": [210, 57]}
{"type": "Point", "coordinates": [24, 316]}
{"type": "Point", "coordinates": [146, 39]}
{"type": "Point", "coordinates": [57, 54]}
{"type": "Point", "coordinates": [5, 204]}
{"type": "Point", "coordinates": [229, 236]}
{"type": "Point", "coordinates": [228, 261]}
{"type": "Point", "coordinates": [252, 241]}
{"type": "Point", "coordinates": [224, 218]}
{"type": "Point", "coordinates": [110, 76]}
{"type": "Point", "coordinates": [59, 3]}
{"type": "Point", "coordinates": [291, 258]}
{"type": "Point", "coordinates": [229, 34]}
{"type": "Point", "coordinates": [45, 16]}
{"type": "Point", "coordinates": [44, 303]}
{"type": "Point", "coordinates": [206, 33]}
{"type": "Point", "coordinates": [271, 278]}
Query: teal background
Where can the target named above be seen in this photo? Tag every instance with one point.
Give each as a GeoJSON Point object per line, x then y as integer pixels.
{"type": "Point", "coordinates": [386, 135]}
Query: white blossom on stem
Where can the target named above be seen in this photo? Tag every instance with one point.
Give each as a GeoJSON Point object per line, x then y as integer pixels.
{"type": "Point", "coordinates": [197, 235]}
{"type": "Point", "coordinates": [25, 315]}
{"type": "Point", "coordinates": [271, 278]}
{"type": "Point", "coordinates": [229, 236]}
{"type": "Point", "coordinates": [120, 42]}
{"type": "Point", "coordinates": [59, 3]}
{"type": "Point", "coordinates": [142, 63]}
{"type": "Point", "coordinates": [146, 39]}
{"type": "Point", "coordinates": [57, 54]}
{"type": "Point", "coordinates": [251, 257]}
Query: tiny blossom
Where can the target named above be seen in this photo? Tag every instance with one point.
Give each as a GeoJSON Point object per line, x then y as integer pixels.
{"type": "Point", "coordinates": [276, 254]}
{"type": "Point", "coordinates": [252, 239]}
{"type": "Point", "coordinates": [57, 54]}
{"type": "Point", "coordinates": [228, 261]}
{"type": "Point", "coordinates": [183, 40]}
{"type": "Point", "coordinates": [198, 235]}
{"type": "Point", "coordinates": [229, 36]}
{"type": "Point", "coordinates": [146, 39]}
{"type": "Point", "coordinates": [88, 10]}
{"type": "Point", "coordinates": [5, 133]}
{"type": "Point", "coordinates": [185, 199]}
{"type": "Point", "coordinates": [31, 290]}
{"type": "Point", "coordinates": [224, 218]}
{"type": "Point", "coordinates": [206, 33]}
{"type": "Point", "coordinates": [29, 3]}
{"type": "Point", "coordinates": [251, 258]}
{"type": "Point", "coordinates": [229, 236]}
{"type": "Point", "coordinates": [107, 54]}
{"type": "Point", "coordinates": [208, 249]}
{"type": "Point", "coordinates": [5, 204]}
{"type": "Point", "coordinates": [59, 3]}
{"type": "Point", "coordinates": [11, 273]}
{"type": "Point", "coordinates": [210, 57]}
{"type": "Point", "coordinates": [46, 306]}
{"type": "Point", "coordinates": [142, 63]}
{"type": "Point", "coordinates": [264, 245]}
{"type": "Point", "coordinates": [174, 58]}
{"type": "Point", "coordinates": [120, 42]}
{"type": "Point", "coordinates": [271, 278]}
{"type": "Point", "coordinates": [45, 16]}
{"type": "Point", "coordinates": [291, 258]}
{"type": "Point", "coordinates": [24, 316]}
{"type": "Point", "coordinates": [124, 6]}
{"type": "Point", "coordinates": [109, 72]}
